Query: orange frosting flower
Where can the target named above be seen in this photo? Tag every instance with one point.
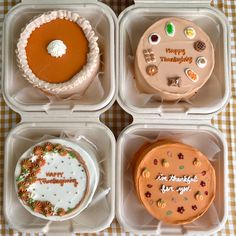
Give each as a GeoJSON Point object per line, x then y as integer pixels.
{"type": "Point", "coordinates": [48, 146]}
{"type": "Point", "coordinates": [61, 212]}
{"type": "Point", "coordinates": [47, 208]}
{"type": "Point", "coordinates": [63, 152]}
{"type": "Point", "coordinates": [41, 162]}
{"type": "Point", "coordinates": [37, 206]}
{"type": "Point", "coordinates": [38, 151]}
{"type": "Point", "coordinates": [26, 163]}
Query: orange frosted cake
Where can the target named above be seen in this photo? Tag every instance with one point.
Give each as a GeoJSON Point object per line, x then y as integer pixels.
{"type": "Point", "coordinates": [174, 59]}
{"type": "Point", "coordinates": [175, 182]}
{"type": "Point", "coordinates": [55, 180]}
{"type": "Point", "coordinates": [58, 53]}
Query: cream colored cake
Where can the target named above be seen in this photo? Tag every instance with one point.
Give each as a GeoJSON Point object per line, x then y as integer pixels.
{"type": "Point", "coordinates": [174, 59]}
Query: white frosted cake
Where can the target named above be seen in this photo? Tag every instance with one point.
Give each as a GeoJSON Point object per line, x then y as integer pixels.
{"type": "Point", "coordinates": [56, 179]}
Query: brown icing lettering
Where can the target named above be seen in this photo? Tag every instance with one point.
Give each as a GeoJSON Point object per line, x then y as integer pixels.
{"type": "Point", "coordinates": [176, 51]}
{"type": "Point", "coordinates": [54, 174]}
{"type": "Point", "coordinates": [57, 181]}
{"type": "Point", "coordinates": [177, 59]}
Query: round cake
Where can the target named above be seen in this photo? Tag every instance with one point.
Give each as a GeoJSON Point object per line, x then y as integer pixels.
{"type": "Point", "coordinates": [175, 182]}
{"type": "Point", "coordinates": [58, 53]}
{"type": "Point", "coordinates": [56, 179]}
{"type": "Point", "coordinates": [174, 59]}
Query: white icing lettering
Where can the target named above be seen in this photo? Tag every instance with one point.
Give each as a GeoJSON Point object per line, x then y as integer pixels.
{"type": "Point", "coordinates": [183, 189]}
{"type": "Point", "coordinates": [166, 188]}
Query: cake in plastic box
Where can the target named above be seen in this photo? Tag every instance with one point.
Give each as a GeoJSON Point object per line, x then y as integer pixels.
{"type": "Point", "coordinates": [56, 179]}
{"type": "Point", "coordinates": [174, 59]}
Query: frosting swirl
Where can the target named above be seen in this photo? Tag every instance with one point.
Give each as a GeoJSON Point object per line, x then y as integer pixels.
{"type": "Point", "coordinates": [56, 48]}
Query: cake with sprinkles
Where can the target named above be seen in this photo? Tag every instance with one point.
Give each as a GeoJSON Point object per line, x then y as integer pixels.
{"type": "Point", "coordinates": [53, 179]}
{"type": "Point", "coordinates": [174, 59]}
{"type": "Point", "coordinates": [175, 182]}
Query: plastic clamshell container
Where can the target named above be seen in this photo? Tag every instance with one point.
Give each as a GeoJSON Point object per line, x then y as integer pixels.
{"type": "Point", "coordinates": [132, 24]}
{"type": "Point", "coordinates": [100, 16]}
{"type": "Point", "coordinates": [127, 220]}
{"type": "Point", "coordinates": [86, 222]}
{"type": "Point", "coordinates": [39, 119]}
{"type": "Point", "coordinates": [182, 117]}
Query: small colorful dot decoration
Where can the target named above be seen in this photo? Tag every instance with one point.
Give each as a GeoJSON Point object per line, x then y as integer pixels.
{"type": "Point", "coordinates": [149, 185]}
{"type": "Point", "coordinates": [198, 196]}
{"type": "Point", "coordinates": [155, 162]}
{"type": "Point", "coordinates": [202, 183]}
{"type": "Point", "coordinates": [152, 70]}
{"type": "Point", "coordinates": [197, 163]}
{"type": "Point", "coordinates": [170, 29]}
{"type": "Point", "coordinates": [154, 38]}
{"type": "Point", "coordinates": [193, 76]}
{"type": "Point", "coordinates": [174, 81]}
{"type": "Point", "coordinates": [181, 156]}
{"type": "Point", "coordinates": [168, 213]}
{"type": "Point", "coordinates": [190, 32]}
{"type": "Point", "coordinates": [181, 167]}
{"type": "Point", "coordinates": [149, 55]}
{"type": "Point", "coordinates": [165, 163]}
{"type": "Point", "coordinates": [201, 62]}
{"type": "Point", "coordinates": [180, 210]}
{"type": "Point", "coordinates": [206, 193]}
{"type": "Point", "coordinates": [194, 207]}
{"type": "Point", "coordinates": [161, 203]}
{"type": "Point", "coordinates": [199, 46]}
{"type": "Point", "coordinates": [148, 194]}
{"type": "Point", "coordinates": [146, 173]}
{"type": "Point", "coordinates": [203, 173]}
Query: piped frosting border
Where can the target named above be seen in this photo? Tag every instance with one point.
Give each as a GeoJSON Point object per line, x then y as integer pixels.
{"type": "Point", "coordinates": [93, 57]}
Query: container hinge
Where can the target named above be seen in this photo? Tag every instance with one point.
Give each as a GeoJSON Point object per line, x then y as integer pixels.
{"type": "Point", "coordinates": [34, 117]}
{"type": "Point", "coordinates": [57, 1]}
{"type": "Point", "coordinates": [166, 119]}
{"type": "Point", "coordinates": [181, 2]}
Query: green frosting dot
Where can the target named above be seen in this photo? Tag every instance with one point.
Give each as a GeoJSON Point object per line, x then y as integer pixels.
{"type": "Point", "coordinates": [181, 167]}
{"type": "Point", "coordinates": [170, 29]}
{"type": "Point", "coordinates": [168, 213]}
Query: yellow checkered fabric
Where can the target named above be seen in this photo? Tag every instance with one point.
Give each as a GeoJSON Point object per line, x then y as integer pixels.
{"type": "Point", "coordinates": [116, 119]}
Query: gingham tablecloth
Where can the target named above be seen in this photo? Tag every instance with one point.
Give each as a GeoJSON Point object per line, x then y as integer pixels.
{"type": "Point", "coordinates": [117, 119]}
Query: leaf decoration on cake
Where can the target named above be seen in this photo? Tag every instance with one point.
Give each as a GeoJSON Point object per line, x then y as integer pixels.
{"type": "Point", "coordinates": [69, 210]}
{"type": "Point", "coordinates": [72, 154]}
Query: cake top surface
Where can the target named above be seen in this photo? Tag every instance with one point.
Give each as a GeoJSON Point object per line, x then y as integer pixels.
{"type": "Point", "coordinates": [174, 181]}
{"type": "Point", "coordinates": [57, 69]}
{"type": "Point", "coordinates": [58, 52]}
{"type": "Point", "coordinates": [175, 56]}
{"type": "Point", "coordinates": [52, 179]}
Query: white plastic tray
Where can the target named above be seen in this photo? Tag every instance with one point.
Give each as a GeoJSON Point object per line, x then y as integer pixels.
{"type": "Point", "coordinates": [132, 24]}
{"type": "Point", "coordinates": [128, 220]}
{"type": "Point", "coordinates": [90, 220]}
